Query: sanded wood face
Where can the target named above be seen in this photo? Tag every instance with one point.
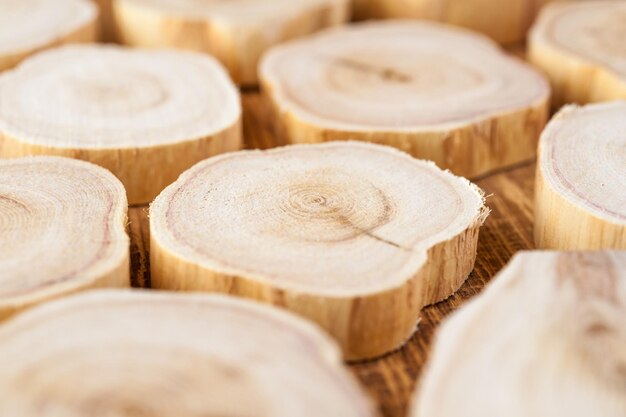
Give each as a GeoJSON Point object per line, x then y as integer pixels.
{"type": "Point", "coordinates": [593, 30]}
{"type": "Point", "coordinates": [31, 24]}
{"type": "Point", "coordinates": [401, 76]}
{"type": "Point", "coordinates": [546, 338]}
{"type": "Point", "coordinates": [108, 97]}
{"type": "Point", "coordinates": [343, 218]}
{"type": "Point", "coordinates": [62, 227]}
{"type": "Point", "coordinates": [583, 158]}
{"type": "Point", "coordinates": [122, 353]}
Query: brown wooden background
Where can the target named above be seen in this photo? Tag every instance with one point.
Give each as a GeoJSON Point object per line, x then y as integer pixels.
{"type": "Point", "coordinates": [390, 380]}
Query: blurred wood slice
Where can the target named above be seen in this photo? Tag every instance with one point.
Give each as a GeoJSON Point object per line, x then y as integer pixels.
{"type": "Point", "coordinates": [145, 115]}
{"type": "Point", "coordinates": [138, 353]}
{"type": "Point", "coordinates": [62, 229]}
{"type": "Point", "coordinates": [504, 21]}
{"type": "Point", "coordinates": [580, 189]}
{"type": "Point", "coordinates": [436, 92]}
{"type": "Point", "coordinates": [27, 26]}
{"type": "Point", "coordinates": [581, 46]}
{"type": "Point", "coordinates": [546, 338]}
{"type": "Point", "coordinates": [236, 32]}
{"type": "Point", "coordinates": [354, 236]}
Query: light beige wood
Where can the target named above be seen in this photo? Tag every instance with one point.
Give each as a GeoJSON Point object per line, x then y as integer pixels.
{"type": "Point", "coordinates": [134, 353]}
{"type": "Point", "coordinates": [580, 189]}
{"type": "Point", "coordinates": [28, 26]}
{"type": "Point", "coordinates": [357, 237]}
{"type": "Point", "coordinates": [504, 21]}
{"type": "Point", "coordinates": [547, 338]}
{"type": "Point", "coordinates": [581, 48]}
{"type": "Point", "coordinates": [436, 92]}
{"type": "Point", "coordinates": [62, 229]}
{"type": "Point", "coordinates": [145, 115]}
{"type": "Point", "coordinates": [237, 32]}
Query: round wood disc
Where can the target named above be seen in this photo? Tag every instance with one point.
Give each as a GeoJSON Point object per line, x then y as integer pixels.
{"type": "Point", "coordinates": [62, 229]}
{"type": "Point", "coordinates": [32, 25]}
{"type": "Point", "coordinates": [145, 115]}
{"type": "Point", "coordinates": [580, 46]}
{"type": "Point", "coordinates": [504, 21]}
{"type": "Point", "coordinates": [237, 32]}
{"type": "Point", "coordinates": [545, 339]}
{"type": "Point", "coordinates": [357, 237]}
{"type": "Point", "coordinates": [134, 353]}
{"type": "Point", "coordinates": [580, 199]}
{"type": "Point", "coordinates": [435, 92]}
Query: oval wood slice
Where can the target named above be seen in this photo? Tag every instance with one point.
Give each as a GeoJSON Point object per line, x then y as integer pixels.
{"type": "Point", "coordinates": [504, 21]}
{"type": "Point", "coordinates": [354, 236]}
{"type": "Point", "coordinates": [31, 25]}
{"type": "Point", "coordinates": [547, 338]}
{"type": "Point", "coordinates": [62, 229]}
{"type": "Point", "coordinates": [237, 32]}
{"type": "Point", "coordinates": [435, 92]}
{"type": "Point", "coordinates": [580, 189]}
{"type": "Point", "coordinates": [581, 46]}
{"type": "Point", "coordinates": [162, 354]}
{"type": "Point", "coordinates": [145, 115]}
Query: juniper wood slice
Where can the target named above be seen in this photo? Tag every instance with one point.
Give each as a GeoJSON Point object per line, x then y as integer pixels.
{"type": "Point", "coordinates": [580, 189]}
{"type": "Point", "coordinates": [62, 229]}
{"type": "Point", "coordinates": [504, 21]}
{"type": "Point", "coordinates": [581, 48]}
{"type": "Point", "coordinates": [122, 353]}
{"type": "Point", "coordinates": [356, 237]}
{"type": "Point", "coordinates": [145, 115]}
{"type": "Point", "coordinates": [237, 32]}
{"type": "Point", "coordinates": [436, 92]}
{"type": "Point", "coordinates": [28, 26]}
{"type": "Point", "coordinates": [547, 338]}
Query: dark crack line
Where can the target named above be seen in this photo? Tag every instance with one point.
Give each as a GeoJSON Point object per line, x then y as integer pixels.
{"type": "Point", "coordinates": [389, 74]}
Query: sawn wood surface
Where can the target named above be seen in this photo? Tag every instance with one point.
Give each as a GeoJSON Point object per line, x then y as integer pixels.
{"type": "Point", "coordinates": [391, 379]}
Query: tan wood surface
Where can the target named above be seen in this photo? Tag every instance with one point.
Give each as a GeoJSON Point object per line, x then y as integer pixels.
{"type": "Point", "coordinates": [390, 380]}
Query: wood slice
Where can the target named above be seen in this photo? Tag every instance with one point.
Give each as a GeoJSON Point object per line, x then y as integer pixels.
{"type": "Point", "coordinates": [237, 32]}
{"type": "Point", "coordinates": [62, 229]}
{"type": "Point", "coordinates": [504, 21]}
{"type": "Point", "coordinates": [547, 338]}
{"type": "Point", "coordinates": [580, 189]}
{"type": "Point", "coordinates": [581, 47]}
{"type": "Point", "coordinates": [354, 236]}
{"type": "Point", "coordinates": [32, 25]}
{"type": "Point", "coordinates": [135, 353]}
{"type": "Point", "coordinates": [145, 115]}
{"type": "Point", "coordinates": [435, 92]}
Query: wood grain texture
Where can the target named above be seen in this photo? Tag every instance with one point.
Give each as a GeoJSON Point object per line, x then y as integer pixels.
{"type": "Point", "coordinates": [453, 97]}
{"type": "Point", "coordinates": [390, 380]}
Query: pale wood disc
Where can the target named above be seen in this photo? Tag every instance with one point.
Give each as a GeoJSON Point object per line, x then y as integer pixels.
{"type": "Point", "coordinates": [357, 237]}
{"type": "Point", "coordinates": [145, 115]}
{"type": "Point", "coordinates": [547, 338]}
{"type": "Point", "coordinates": [62, 229]}
{"type": "Point", "coordinates": [580, 199]}
{"type": "Point", "coordinates": [134, 353]}
{"type": "Point", "coordinates": [436, 92]}
{"type": "Point", "coordinates": [237, 32]}
{"type": "Point", "coordinates": [581, 46]}
{"type": "Point", "coordinates": [27, 26]}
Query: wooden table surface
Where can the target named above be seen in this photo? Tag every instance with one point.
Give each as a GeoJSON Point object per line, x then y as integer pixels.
{"type": "Point", "coordinates": [390, 380]}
